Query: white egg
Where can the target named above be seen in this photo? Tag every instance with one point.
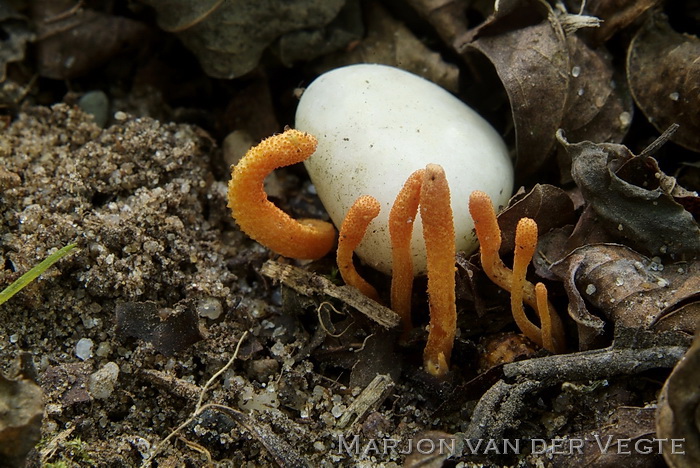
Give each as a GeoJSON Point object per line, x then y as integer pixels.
{"type": "Point", "coordinates": [375, 126]}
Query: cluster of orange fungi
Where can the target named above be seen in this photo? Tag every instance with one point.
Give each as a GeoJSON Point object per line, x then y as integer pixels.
{"type": "Point", "coordinates": [426, 189]}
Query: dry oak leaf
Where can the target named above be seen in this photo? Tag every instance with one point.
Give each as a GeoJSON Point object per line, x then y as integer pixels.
{"type": "Point", "coordinates": [663, 71]}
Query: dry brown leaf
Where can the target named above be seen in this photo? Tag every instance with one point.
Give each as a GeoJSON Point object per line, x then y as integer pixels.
{"type": "Point", "coordinates": [390, 42]}
{"type": "Point", "coordinates": [615, 15]}
{"type": "Point", "coordinates": [553, 80]}
{"type": "Point", "coordinates": [229, 36]}
{"type": "Point", "coordinates": [627, 194]}
{"type": "Point", "coordinates": [684, 318]}
{"type": "Point", "coordinates": [678, 410]}
{"type": "Point", "coordinates": [72, 43]}
{"type": "Point", "coordinates": [663, 71]}
{"type": "Point", "coordinates": [629, 289]}
{"type": "Point", "coordinates": [621, 441]}
{"type": "Point", "coordinates": [529, 62]}
{"type": "Point", "coordinates": [596, 102]}
{"type": "Point", "coordinates": [550, 206]}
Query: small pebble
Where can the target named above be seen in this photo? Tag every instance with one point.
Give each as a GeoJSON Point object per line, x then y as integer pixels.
{"type": "Point", "coordinates": [96, 103]}
{"type": "Point", "coordinates": [83, 348]}
{"type": "Point", "coordinates": [209, 307]}
{"type": "Point", "coordinates": [235, 146]}
{"type": "Point", "coordinates": [101, 383]}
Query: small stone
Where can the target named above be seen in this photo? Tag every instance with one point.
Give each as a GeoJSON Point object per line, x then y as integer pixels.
{"type": "Point", "coordinates": [338, 410]}
{"type": "Point", "coordinates": [235, 145]}
{"type": "Point", "coordinates": [96, 103]}
{"type": "Point", "coordinates": [103, 349]}
{"type": "Point", "coordinates": [83, 348]}
{"type": "Point", "coordinates": [209, 307]}
{"type": "Point", "coordinates": [101, 383]}
{"type": "Point", "coordinates": [625, 119]}
{"type": "Point", "coordinates": [277, 349]}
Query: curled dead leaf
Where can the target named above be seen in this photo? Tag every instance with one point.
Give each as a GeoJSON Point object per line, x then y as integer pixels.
{"type": "Point", "coordinates": [615, 15]}
{"type": "Point", "coordinates": [629, 289]}
{"type": "Point", "coordinates": [626, 193]}
{"type": "Point", "coordinates": [553, 80]}
{"type": "Point", "coordinates": [529, 61]}
{"type": "Point", "coordinates": [627, 427]}
{"type": "Point", "coordinates": [678, 411]}
{"type": "Point", "coordinates": [663, 70]}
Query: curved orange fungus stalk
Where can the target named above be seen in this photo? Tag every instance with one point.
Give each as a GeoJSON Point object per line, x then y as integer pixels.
{"type": "Point", "coordinates": [525, 245]}
{"type": "Point", "coordinates": [551, 335]}
{"type": "Point", "coordinates": [489, 234]}
{"type": "Point", "coordinates": [261, 219]}
{"type": "Point", "coordinates": [439, 235]}
{"type": "Point", "coordinates": [361, 213]}
{"type": "Point", "coordinates": [401, 220]}
{"type": "Point", "coordinates": [553, 338]}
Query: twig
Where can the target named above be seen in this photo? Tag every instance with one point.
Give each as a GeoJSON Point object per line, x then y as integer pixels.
{"type": "Point", "coordinates": [659, 142]}
{"type": "Point", "coordinates": [308, 284]}
{"type": "Point", "coordinates": [500, 407]}
{"type": "Point", "coordinates": [282, 453]}
{"type": "Point", "coordinates": [371, 397]}
{"type": "Point", "coordinates": [594, 365]}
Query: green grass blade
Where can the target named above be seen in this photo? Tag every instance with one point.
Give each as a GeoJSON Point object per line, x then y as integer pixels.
{"type": "Point", "coordinates": [32, 274]}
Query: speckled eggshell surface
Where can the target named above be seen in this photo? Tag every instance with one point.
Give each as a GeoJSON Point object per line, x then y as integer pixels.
{"type": "Point", "coordinates": [375, 126]}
